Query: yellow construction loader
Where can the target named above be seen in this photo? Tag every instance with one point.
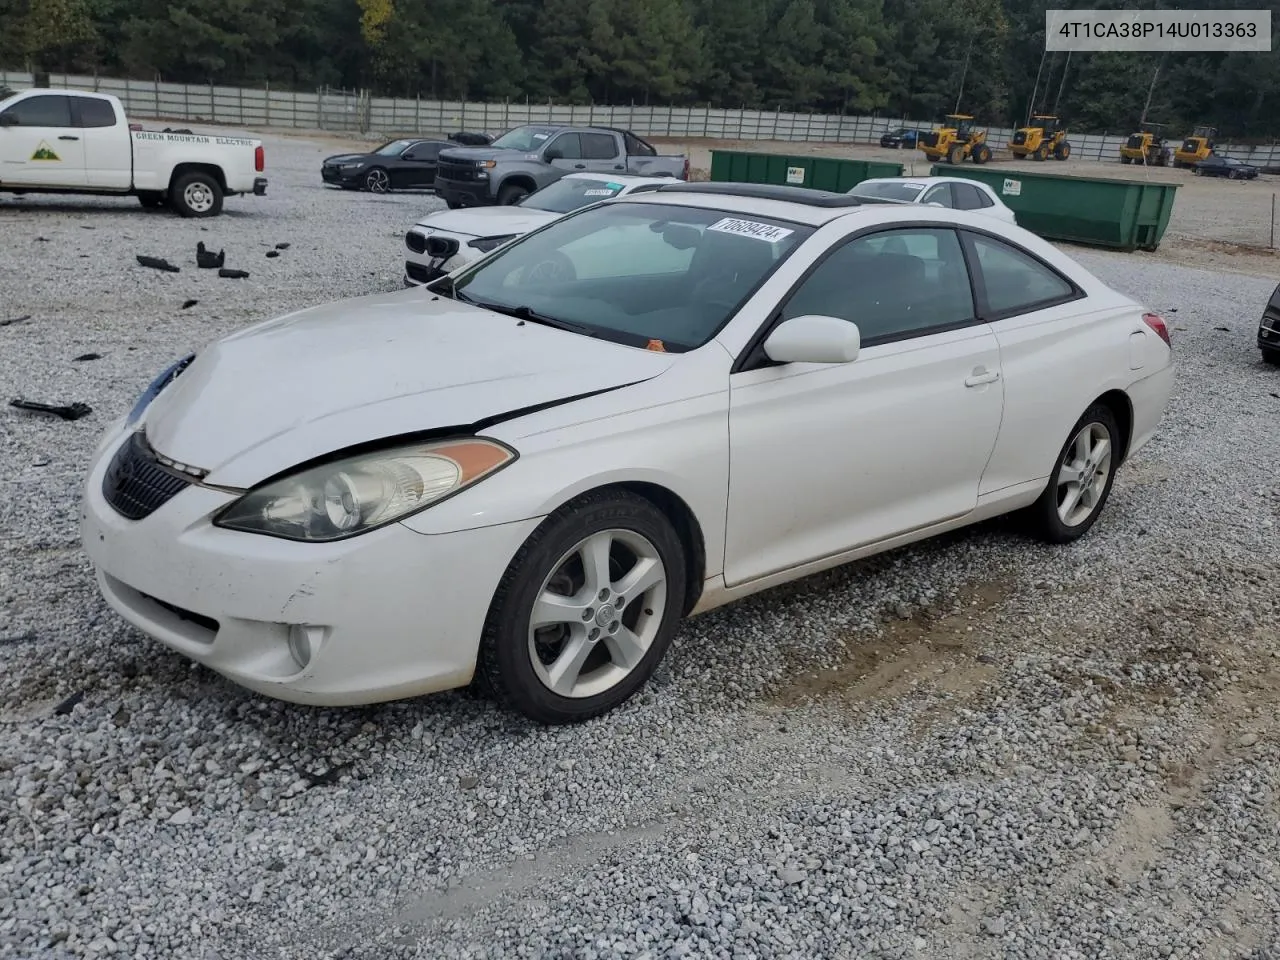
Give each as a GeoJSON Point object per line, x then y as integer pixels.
{"type": "Point", "coordinates": [955, 141]}
{"type": "Point", "coordinates": [1199, 146]}
{"type": "Point", "coordinates": [1043, 137]}
{"type": "Point", "coordinates": [1147, 146]}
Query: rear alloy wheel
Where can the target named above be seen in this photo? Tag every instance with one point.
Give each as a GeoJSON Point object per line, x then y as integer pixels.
{"type": "Point", "coordinates": [1081, 480]}
{"type": "Point", "coordinates": [196, 195]}
{"type": "Point", "coordinates": [586, 610]}
{"type": "Point", "coordinates": [377, 181]}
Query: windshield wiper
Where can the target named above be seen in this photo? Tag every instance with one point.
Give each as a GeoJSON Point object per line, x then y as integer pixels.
{"type": "Point", "coordinates": [533, 316]}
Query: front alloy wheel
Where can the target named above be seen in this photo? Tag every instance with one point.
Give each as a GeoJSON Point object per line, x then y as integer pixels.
{"type": "Point", "coordinates": [377, 181]}
{"type": "Point", "coordinates": [586, 610]}
{"type": "Point", "coordinates": [1081, 480]}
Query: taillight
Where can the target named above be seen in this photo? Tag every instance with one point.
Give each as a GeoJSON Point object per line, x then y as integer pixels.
{"type": "Point", "coordinates": [1156, 323]}
{"type": "Point", "coordinates": [685, 175]}
{"type": "Point", "coordinates": [259, 159]}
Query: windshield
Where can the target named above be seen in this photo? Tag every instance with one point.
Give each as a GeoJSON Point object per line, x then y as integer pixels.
{"type": "Point", "coordinates": [569, 194]}
{"type": "Point", "coordinates": [635, 272]}
{"type": "Point", "coordinates": [890, 191]}
{"type": "Point", "coordinates": [393, 149]}
{"type": "Point", "coordinates": [523, 138]}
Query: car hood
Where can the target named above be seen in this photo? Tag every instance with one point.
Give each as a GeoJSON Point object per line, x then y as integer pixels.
{"type": "Point", "coordinates": [348, 158]}
{"type": "Point", "coordinates": [488, 221]}
{"type": "Point", "coordinates": [313, 382]}
{"type": "Point", "coordinates": [482, 153]}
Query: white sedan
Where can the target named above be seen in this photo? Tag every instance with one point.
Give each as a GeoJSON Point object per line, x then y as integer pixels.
{"type": "Point", "coordinates": [442, 242]}
{"type": "Point", "coordinates": [958, 193]}
{"type": "Point", "coordinates": [530, 470]}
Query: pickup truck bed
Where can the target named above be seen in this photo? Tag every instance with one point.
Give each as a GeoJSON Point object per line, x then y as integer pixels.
{"type": "Point", "coordinates": [72, 141]}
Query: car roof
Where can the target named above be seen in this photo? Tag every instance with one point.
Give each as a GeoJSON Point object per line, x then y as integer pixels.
{"type": "Point", "coordinates": [925, 181]}
{"type": "Point", "coordinates": [797, 204]}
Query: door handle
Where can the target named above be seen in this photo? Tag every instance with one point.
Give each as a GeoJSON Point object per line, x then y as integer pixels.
{"type": "Point", "coordinates": [67, 137]}
{"type": "Point", "coordinates": [619, 166]}
{"type": "Point", "coordinates": [981, 376]}
{"type": "Point", "coordinates": [579, 166]}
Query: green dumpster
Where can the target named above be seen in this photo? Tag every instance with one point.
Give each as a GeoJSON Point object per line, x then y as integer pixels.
{"type": "Point", "coordinates": [1098, 211]}
{"type": "Point", "coordinates": [819, 173]}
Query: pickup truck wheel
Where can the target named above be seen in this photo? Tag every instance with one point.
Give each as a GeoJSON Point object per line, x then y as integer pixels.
{"type": "Point", "coordinates": [196, 195]}
{"type": "Point", "coordinates": [511, 193]}
{"type": "Point", "coordinates": [151, 199]}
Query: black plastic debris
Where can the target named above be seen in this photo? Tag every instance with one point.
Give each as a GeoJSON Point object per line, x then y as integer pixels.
{"type": "Point", "coordinates": [157, 263]}
{"type": "Point", "coordinates": [42, 240]}
{"type": "Point", "coordinates": [184, 131]}
{"type": "Point", "coordinates": [209, 261]}
{"type": "Point", "coordinates": [188, 304]}
{"type": "Point", "coordinates": [1223, 329]}
{"type": "Point", "coordinates": [15, 638]}
{"type": "Point", "coordinates": [71, 411]}
{"type": "Point", "coordinates": [282, 246]}
{"type": "Point", "coordinates": [69, 704]}
{"type": "Point", "coordinates": [233, 274]}
{"type": "Point", "coordinates": [272, 254]}
{"type": "Point", "coordinates": [14, 320]}
{"type": "Point", "coordinates": [86, 356]}
{"type": "Point", "coordinates": [328, 777]}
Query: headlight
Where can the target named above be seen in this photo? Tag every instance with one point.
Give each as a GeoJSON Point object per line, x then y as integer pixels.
{"type": "Point", "coordinates": [159, 383]}
{"type": "Point", "coordinates": [334, 501]}
{"type": "Point", "coordinates": [485, 244]}
{"type": "Point", "coordinates": [350, 166]}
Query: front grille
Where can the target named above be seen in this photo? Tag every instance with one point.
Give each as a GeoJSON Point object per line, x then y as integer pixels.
{"type": "Point", "coordinates": [415, 241]}
{"type": "Point", "coordinates": [456, 169]}
{"type": "Point", "coordinates": [135, 484]}
{"type": "Point", "coordinates": [421, 274]}
{"type": "Point", "coordinates": [199, 619]}
{"type": "Point", "coordinates": [442, 247]}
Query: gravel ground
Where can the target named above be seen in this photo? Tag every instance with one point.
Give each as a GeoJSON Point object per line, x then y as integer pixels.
{"type": "Point", "coordinates": [976, 747]}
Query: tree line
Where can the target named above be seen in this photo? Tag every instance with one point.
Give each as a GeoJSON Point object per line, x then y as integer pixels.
{"type": "Point", "coordinates": [914, 58]}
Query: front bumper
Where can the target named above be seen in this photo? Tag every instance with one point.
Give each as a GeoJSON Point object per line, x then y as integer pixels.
{"type": "Point", "coordinates": [260, 186]}
{"type": "Point", "coordinates": [390, 614]}
{"type": "Point", "coordinates": [336, 177]}
{"type": "Point", "coordinates": [468, 193]}
{"type": "Point", "coordinates": [1269, 333]}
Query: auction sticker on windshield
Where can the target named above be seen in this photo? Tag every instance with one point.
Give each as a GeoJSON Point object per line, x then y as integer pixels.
{"type": "Point", "coordinates": [598, 193]}
{"type": "Point", "coordinates": [750, 228]}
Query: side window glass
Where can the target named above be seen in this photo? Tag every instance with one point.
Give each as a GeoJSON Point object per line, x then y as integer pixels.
{"type": "Point", "coordinates": [1015, 281]}
{"type": "Point", "coordinates": [50, 110]}
{"type": "Point", "coordinates": [894, 284]}
{"type": "Point", "coordinates": [569, 146]}
{"type": "Point", "coordinates": [95, 113]}
{"type": "Point", "coordinates": [599, 146]}
{"type": "Point", "coordinates": [968, 197]}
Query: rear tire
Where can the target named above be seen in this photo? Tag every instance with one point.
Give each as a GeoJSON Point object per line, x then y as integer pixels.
{"type": "Point", "coordinates": [1042, 153]}
{"type": "Point", "coordinates": [196, 194]}
{"type": "Point", "coordinates": [588, 656]}
{"type": "Point", "coordinates": [1081, 480]}
{"type": "Point", "coordinates": [1271, 356]}
{"type": "Point", "coordinates": [1126, 160]}
{"type": "Point", "coordinates": [956, 155]}
{"type": "Point", "coordinates": [982, 154]}
{"type": "Point", "coordinates": [453, 204]}
{"type": "Point", "coordinates": [1062, 151]}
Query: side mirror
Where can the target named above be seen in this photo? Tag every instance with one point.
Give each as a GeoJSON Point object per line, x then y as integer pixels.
{"type": "Point", "coordinates": [813, 339]}
{"type": "Point", "coordinates": [8, 120]}
{"type": "Point", "coordinates": [553, 153]}
{"type": "Point", "coordinates": [409, 156]}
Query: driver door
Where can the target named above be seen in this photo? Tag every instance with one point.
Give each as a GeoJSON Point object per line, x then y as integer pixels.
{"type": "Point", "coordinates": [39, 145]}
{"type": "Point", "coordinates": [827, 458]}
{"type": "Point", "coordinates": [565, 152]}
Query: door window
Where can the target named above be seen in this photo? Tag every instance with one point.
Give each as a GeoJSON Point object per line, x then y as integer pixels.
{"type": "Point", "coordinates": [568, 145]}
{"type": "Point", "coordinates": [599, 146]}
{"type": "Point", "coordinates": [893, 284]}
{"type": "Point", "coordinates": [939, 194]}
{"type": "Point", "coordinates": [968, 197]}
{"type": "Point", "coordinates": [92, 112]}
{"type": "Point", "coordinates": [47, 110]}
{"type": "Point", "coordinates": [1017, 282]}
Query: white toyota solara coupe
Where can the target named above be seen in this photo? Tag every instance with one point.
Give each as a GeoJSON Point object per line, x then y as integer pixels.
{"type": "Point", "coordinates": [528, 471]}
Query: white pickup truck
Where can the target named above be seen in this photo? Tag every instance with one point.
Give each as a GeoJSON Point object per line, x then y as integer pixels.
{"type": "Point", "coordinates": [71, 141]}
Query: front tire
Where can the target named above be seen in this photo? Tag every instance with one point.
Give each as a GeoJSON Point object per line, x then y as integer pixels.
{"type": "Point", "coordinates": [1271, 355]}
{"type": "Point", "coordinates": [196, 194]}
{"type": "Point", "coordinates": [377, 180]}
{"type": "Point", "coordinates": [1081, 481]}
{"type": "Point", "coordinates": [1062, 151]}
{"type": "Point", "coordinates": [512, 193]}
{"type": "Point", "coordinates": [585, 611]}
